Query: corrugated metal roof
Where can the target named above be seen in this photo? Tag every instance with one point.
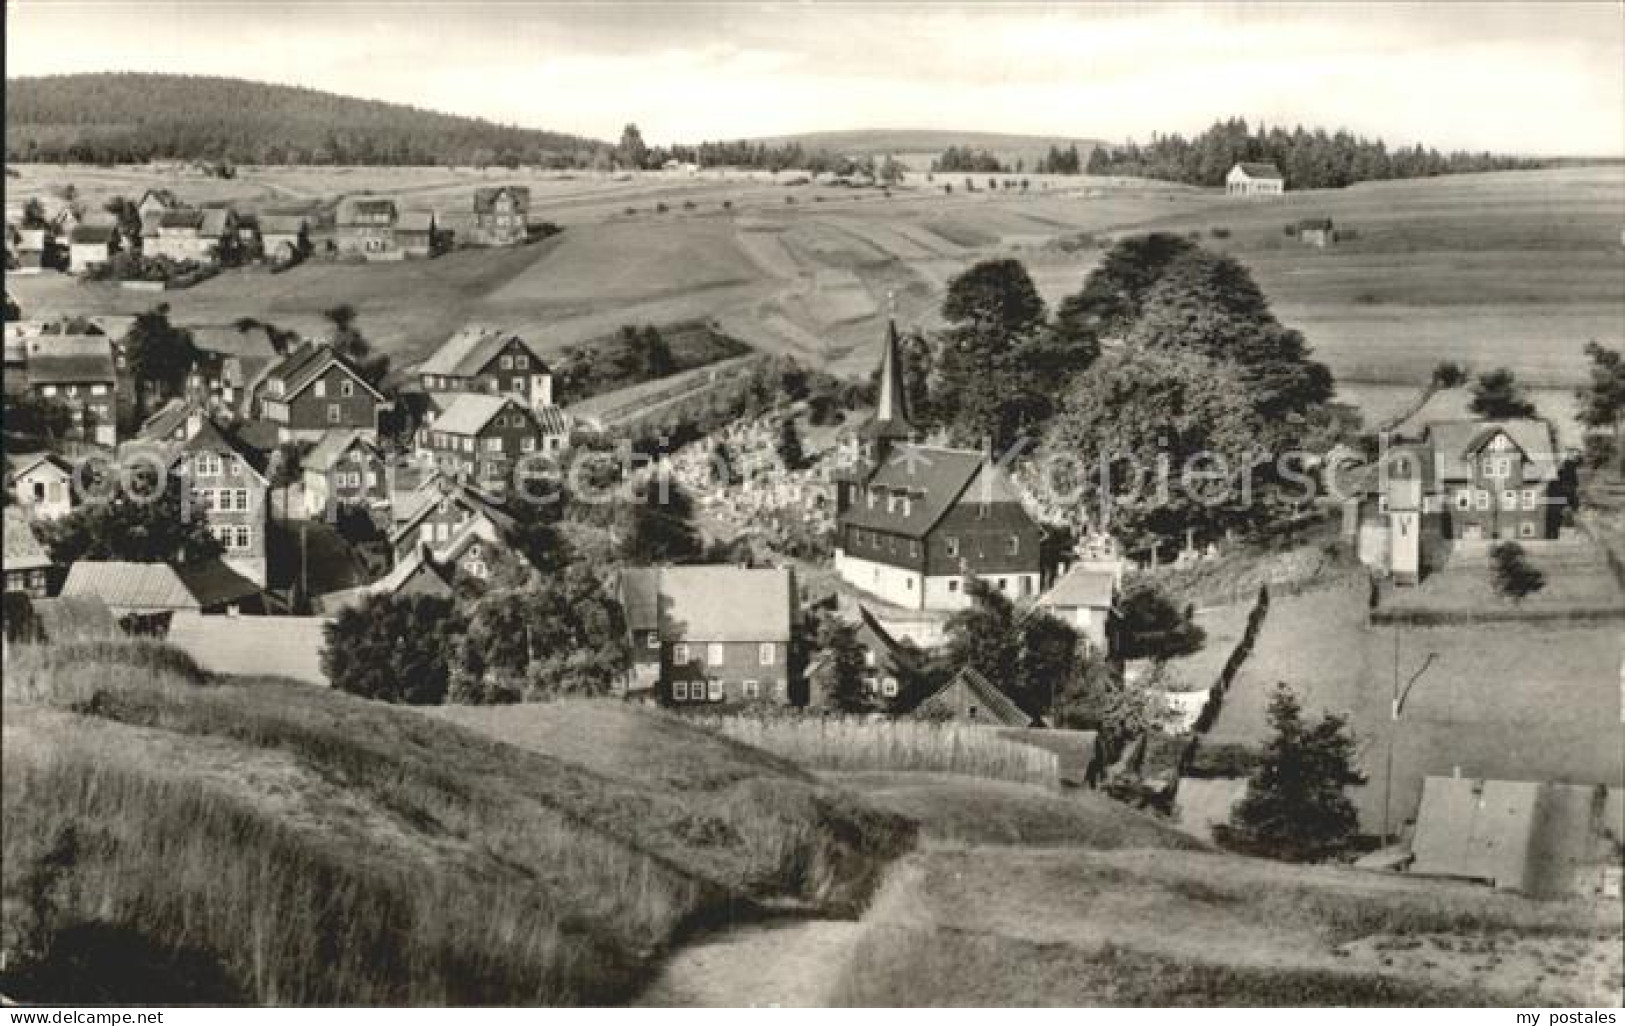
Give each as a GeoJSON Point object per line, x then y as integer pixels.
{"type": "Point", "coordinates": [122, 585]}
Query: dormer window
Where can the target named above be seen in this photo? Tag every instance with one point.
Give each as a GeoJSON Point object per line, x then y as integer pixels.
{"type": "Point", "coordinates": [908, 506]}
{"type": "Point", "coordinates": [891, 503]}
{"type": "Point", "coordinates": [870, 498]}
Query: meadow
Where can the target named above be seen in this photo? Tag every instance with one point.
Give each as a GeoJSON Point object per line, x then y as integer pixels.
{"type": "Point", "coordinates": [1509, 268]}
{"type": "Point", "coordinates": [174, 838]}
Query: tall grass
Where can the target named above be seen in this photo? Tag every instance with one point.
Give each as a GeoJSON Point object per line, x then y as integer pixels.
{"type": "Point", "coordinates": [854, 745]}
{"type": "Point", "coordinates": [276, 844]}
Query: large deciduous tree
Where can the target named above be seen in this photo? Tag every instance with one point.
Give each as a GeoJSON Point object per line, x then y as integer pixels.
{"type": "Point", "coordinates": [138, 524]}
{"type": "Point", "coordinates": [1602, 400]}
{"type": "Point", "coordinates": [393, 648]}
{"type": "Point", "coordinates": [158, 354]}
{"type": "Point", "coordinates": [1027, 652]}
{"type": "Point", "coordinates": [349, 342]}
{"type": "Point", "coordinates": [992, 310]}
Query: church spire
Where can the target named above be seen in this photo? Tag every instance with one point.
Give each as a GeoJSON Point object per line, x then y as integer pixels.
{"type": "Point", "coordinates": [893, 406]}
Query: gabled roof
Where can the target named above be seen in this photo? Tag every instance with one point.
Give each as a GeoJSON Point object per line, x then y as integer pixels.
{"type": "Point", "coordinates": [54, 368]}
{"type": "Point", "coordinates": [891, 419]}
{"type": "Point", "coordinates": [934, 478]}
{"type": "Point", "coordinates": [22, 548]}
{"type": "Point", "coordinates": [163, 425]}
{"type": "Point", "coordinates": [418, 565]}
{"type": "Point", "coordinates": [1457, 442]}
{"type": "Point", "coordinates": [468, 352]}
{"type": "Point", "coordinates": [699, 604]}
{"type": "Point", "coordinates": [415, 221]}
{"type": "Point", "coordinates": [1312, 224]}
{"type": "Point", "coordinates": [283, 224]}
{"type": "Point", "coordinates": [370, 206]}
{"type": "Point", "coordinates": [129, 585]}
{"type": "Point", "coordinates": [181, 217]}
{"type": "Point", "coordinates": [210, 438]}
{"type": "Point", "coordinates": [216, 222]}
{"type": "Point", "coordinates": [333, 445]}
{"type": "Point", "coordinates": [93, 234]}
{"type": "Point", "coordinates": [1082, 587]}
{"type": "Point", "coordinates": [300, 369]}
{"type": "Point", "coordinates": [437, 489]}
{"type": "Point", "coordinates": [872, 632]}
{"type": "Point", "coordinates": [27, 463]}
{"type": "Point", "coordinates": [471, 411]}
{"type": "Point", "coordinates": [216, 584]}
{"type": "Point", "coordinates": [1000, 706]}
{"type": "Point", "coordinates": [485, 198]}
{"type": "Point", "coordinates": [1259, 170]}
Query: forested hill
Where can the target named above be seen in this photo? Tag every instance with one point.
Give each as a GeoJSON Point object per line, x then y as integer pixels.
{"type": "Point", "coordinates": [1307, 159]}
{"type": "Point", "coordinates": [120, 117]}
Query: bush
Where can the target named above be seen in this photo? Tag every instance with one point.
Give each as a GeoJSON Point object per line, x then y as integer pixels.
{"type": "Point", "coordinates": [1219, 232]}
{"type": "Point", "coordinates": [631, 211]}
{"type": "Point", "coordinates": [1226, 760]}
{"type": "Point", "coordinates": [1290, 231]}
{"type": "Point", "coordinates": [661, 208]}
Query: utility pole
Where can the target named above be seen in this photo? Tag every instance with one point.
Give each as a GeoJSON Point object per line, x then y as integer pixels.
{"type": "Point", "coordinates": [1394, 706]}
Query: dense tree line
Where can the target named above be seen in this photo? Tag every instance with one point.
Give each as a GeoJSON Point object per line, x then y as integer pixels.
{"type": "Point", "coordinates": [128, 117]}
{"type": "Point", "coordinates": [1307, 159]}
{"type": "Point", "coordinates": [963, 158]}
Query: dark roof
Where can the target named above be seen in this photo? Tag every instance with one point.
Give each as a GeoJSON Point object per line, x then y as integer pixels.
{"type": "Point", "coordinates": [891, 419]}
{"type": "Point", "coordinates": [874, 633]}
{"type": "Point", "coordinates": [307, 363]}
{"type": "Point", "coordinates": [93, 234]}
{"type": "Point", "coordinates": [438, 489]}
{"type": "Point", "coordinates": [53, 369]}
{"type": "Point", "coordinates": [210, 437]}
{"type": "Point", "coordinates": [1311, 224]}
{"type": "Point", "coordinates": [1457, 442]}
{"type": "Point", "coordinates": [933, 478]}
{"type": "Point", "coordinates": [485, 198]}
{"type": "Point", "coordinates": [1260, 170]}
{"type": "Point", "coordinates": [333, 445]}
{"type": "Point", "coordinates": [215, 584]}
{"type": "Point", "coordinates": [181, 217]}
{"type": "Point", "coordinates": [999, 705]}
{"type": "Point", "coordinates": [283, 224]}
{"type": "Point", "coordinates": [162, 426]}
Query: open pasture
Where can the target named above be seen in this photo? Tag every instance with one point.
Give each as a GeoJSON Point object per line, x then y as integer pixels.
{"type": "Point", "coordinates": [1515, 269]}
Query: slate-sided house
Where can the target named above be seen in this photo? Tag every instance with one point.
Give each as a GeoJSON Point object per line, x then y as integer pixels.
{"type": "Point", "coordinates": [916, 520]}
{"type": "Point", "coordinates": [969, 697]}
{"type": "Point", "coordinates": [226, 481]}
{"type": "Point", "coordinates": [365, 227]}
{"type": "Point", "coordinates": [501, 214]}
{"type": "Point", "coordinates": [78, 371]}
{"type": "Point", "coordinates": [484, 437]}
{"type": "Point", "coordinates": [188, 233]}
{"type": "Point", "coordinates": [41, 485]}
{"type": "Point", "coordinates": [479, 359]}
{"type": "Point", "coordinates": [345, 468]}
{"type": "Point", "coordinates": [442, 516]}
{"type": "Point", "coordinates": [314, 390]}
{"type": "Point", "coordinates": [91, 245]}
{"type": "Point", "coordinates": [1254, 179]}
{"type": "Point", "coordinates": [222, 375]}
{"type": "Point", "coordinates": [1496, 478]}
{"type": "Point", "coordinates": [27, 566]}
{"type": "Point", "coordinates": [709, 634]}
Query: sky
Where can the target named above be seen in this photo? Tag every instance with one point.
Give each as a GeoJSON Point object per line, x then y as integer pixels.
{"type": "Point", "coordinates": [1528, 78]}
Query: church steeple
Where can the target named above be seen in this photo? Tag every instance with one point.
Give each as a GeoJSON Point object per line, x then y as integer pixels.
{"type": "Point", "coordinates": [891, 420]}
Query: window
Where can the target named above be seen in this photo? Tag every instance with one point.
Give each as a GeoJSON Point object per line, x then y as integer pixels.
{"type": "Point", "coordinates": [752, 690]}
{"type": "Point", "coordinates": [1526, 530]}
{"type": "Point", "coordinates": [207, 464]}
{"type": "Point", "coordinates": [507, 363]}
{"type": "Point", "coordinates": [1464, 500]}
{"type": "Point", "coordinates": [953, 585]}
{"type": "Point", "coordinates": [235, 465]}
{"type": "Point", "coordinates": [713, 653]}
{"type": "Point", "coordinates": [768, 652]}
{"type": "Point", "coordinates": [335, 413]}
{"type": "Point", "coordinates": [243, 538]}
{"type": "Point", "coordinates": [527, 445]}
{"type": "Point", "coordinates": [49, 390]}
{"type": "Point", "coordinates": [908, 506]}
{"type": "Point", "coordinates": [982, 511]}
{"type": "Point", "coordinates": [346, 388]}
{"type": "Point", "coordinates": [869, 657]}
{"type": "Point", "coordinates": [1509, 499]}
{"type": "Point", "coordinates": [1382, 504]}
{"type": "Point", "coordinates": [98, 389]}
{"type": "Point", "coordinates": [891, 503]}
{"type": "Point", "coordinates": [870, 498]}
{"type": "Point", "coordinates": [716, 691]}
{"type": "Point", "coordinates": [679, 691]}
{"type": "Point", "coordinates": [521, 362]}
{"type": "Point", "coordinates": [73, 389]}
{"type": "Point", "coordinates": [242, 500]}
{"type": "Point", "coordinates": [778, 689]}
{"type": "Point", "coordinates": [679, 654]}
{"type": "Point", "coordinates": [1530, 498]}
{"type": "Point", "coordinates": [321, 390]}
{"type": "Point", "coordinates": [1482, 499]}
{"type": "Point", "coordinates": [204, 498]}
{"type": "Point", "coordinates": [888, 687]}
{"type": "Point", "coordinates": [518, 384]}
{"type": "Point", "coordinates": [493, 445]}
{"type": "Point", "coordinates": [654, 640]}
{"type": "Point", "coordinates": [468, 445]}
{"type": "Point", "coordinates": [1012, 545]}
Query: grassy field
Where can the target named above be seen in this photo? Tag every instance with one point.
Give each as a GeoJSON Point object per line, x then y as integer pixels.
{"type": "Point", "coordinates": [1507, 701]}
{"type": "Point", "coordinates": [169, 839]}
{"type": "Point", "coordinates": [1518, 269]}
{"type": "Point", "coordinates": [1104, 911]}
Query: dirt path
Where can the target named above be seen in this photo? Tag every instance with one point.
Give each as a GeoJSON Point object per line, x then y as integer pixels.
{"type": "Point", "coordinates": [785, 963]}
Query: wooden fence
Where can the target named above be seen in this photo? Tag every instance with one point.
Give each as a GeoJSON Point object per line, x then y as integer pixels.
{"type": "Point", "coordinates": [851, 744]}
